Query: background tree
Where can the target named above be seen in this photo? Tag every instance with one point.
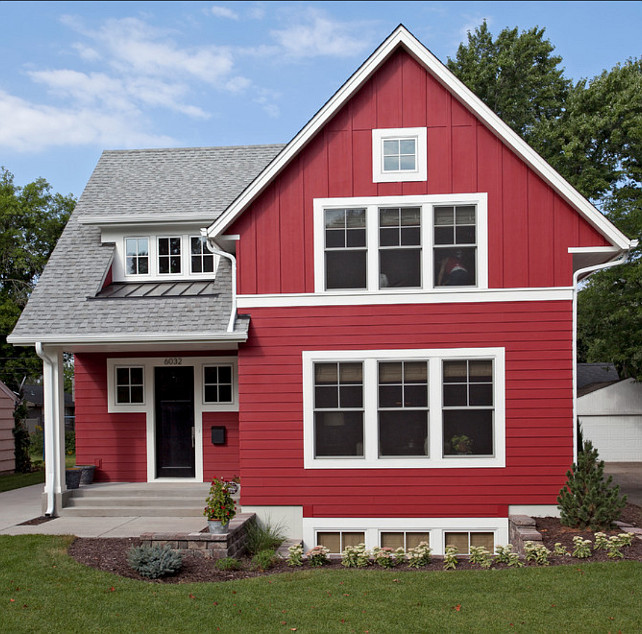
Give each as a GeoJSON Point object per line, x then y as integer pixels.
{"type": "Point", "coordinates": [591, 133]}
{"type": "Point", "coordinates": [31, 221]}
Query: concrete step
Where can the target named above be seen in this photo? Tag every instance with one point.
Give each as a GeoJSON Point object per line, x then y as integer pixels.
{"type": "Point", "coordinates": [138, 501]}
{"type": "Point", "coordinates": [132, 511]}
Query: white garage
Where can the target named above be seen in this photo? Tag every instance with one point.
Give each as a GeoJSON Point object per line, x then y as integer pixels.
{"type": "Point", "coordinates": [611, 418]}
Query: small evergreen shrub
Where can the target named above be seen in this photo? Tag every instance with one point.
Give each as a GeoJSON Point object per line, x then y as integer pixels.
{"type": "Point", "coordinates": [587, 500]}
{"type": "Point", "coordinates": [228, 563]}
{"type": "Point", "coordinates": [264, 560]}
{"type": "Point", "coordinates": [154, 562]}
{"type": "Point", "coordinates": [450, 558]}
{"type": "Point", "coordinates": [295, 557]}
{"type": "Point", "coordinates": [419, 556]}
{"type": "Point", "coordinates": [355, 556]}
{"type": "Point", "coordinates": [318, 556]}
{"type": "Point", "coordinates": [582, 548]}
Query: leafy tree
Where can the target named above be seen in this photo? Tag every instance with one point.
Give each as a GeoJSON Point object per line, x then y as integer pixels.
{"type": "Point", "coordinates": [590, 132]}
{"type": "Point", "coordinates": [31, 221]}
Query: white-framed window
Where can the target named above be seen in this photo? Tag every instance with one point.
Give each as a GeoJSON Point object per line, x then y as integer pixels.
{"type": "Point", "coordinates": [401, 244]}
{"type": "Point", "coordinates": [169, 255]}
{"type": "Point", "coordinates": [422, 408]}
{"type": "Point", "coordinates": [338, 532]}
{"type": "Point", "coordinates": [130, 385]}
{"type": "Point", "coordinates": [218, 383]}
{"type": "Point", "coordinates": [201, 258]}
{"type": "Point", "coordinates": [137, 256]}
{"type": "Point", "coordinates": [399, 154]}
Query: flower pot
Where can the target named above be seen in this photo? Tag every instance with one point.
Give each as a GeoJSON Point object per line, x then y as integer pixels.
{"type": "Point", "coordinates": [87, 473]}
{"type": "Point", "coordinates": [72, 477]}
{"type": "Point", "coordinates": [217, 527]}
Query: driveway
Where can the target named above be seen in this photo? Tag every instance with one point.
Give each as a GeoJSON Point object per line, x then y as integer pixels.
{"type": "Point", "coordinates": [629, 476]}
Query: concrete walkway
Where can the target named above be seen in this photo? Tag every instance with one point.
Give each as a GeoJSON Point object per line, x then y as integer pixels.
{"type": "Point", "coordinates": [21, 505]}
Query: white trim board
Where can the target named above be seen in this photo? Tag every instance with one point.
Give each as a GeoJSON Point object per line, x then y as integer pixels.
{"type": "Point", "coordinates": [402, 37]}
{"type": "Point", "coordinates": [380, 298]}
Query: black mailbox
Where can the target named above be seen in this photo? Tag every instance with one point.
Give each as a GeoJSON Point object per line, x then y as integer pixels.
{"type": "Point", "coordinates": [218, 435]}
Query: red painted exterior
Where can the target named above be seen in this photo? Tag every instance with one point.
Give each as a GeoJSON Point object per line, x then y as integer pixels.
{"type": "Point", "coordinates": [530, 227]}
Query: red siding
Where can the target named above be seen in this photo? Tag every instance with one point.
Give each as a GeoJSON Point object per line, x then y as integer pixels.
{"type": "Point", "coordinates": [221, 461]}
{"type": "Point", "coordinates": [537, 339]}
{"type": "Point", "coordinates": [530, 227]}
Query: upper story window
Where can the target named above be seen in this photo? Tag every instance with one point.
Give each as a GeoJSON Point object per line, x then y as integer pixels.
{"type": "Point", "coordinates": [399, 154]}
{"type": "Point", "coordinates": [137, 256]}
{"type": "Point", "coordinates": [412, 243]}
{"type": "Point", "coordinates": [169, 256]}
{"type": "Point", "coordinates": [201, 258]}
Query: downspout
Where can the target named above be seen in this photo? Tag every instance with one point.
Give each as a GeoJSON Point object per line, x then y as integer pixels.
{"type": "Point", "coordinates": [211, 245]}
{"type": "Point", "coordinates": [50, 439]}
{"type": "Point", "coordinates": [576, 278]}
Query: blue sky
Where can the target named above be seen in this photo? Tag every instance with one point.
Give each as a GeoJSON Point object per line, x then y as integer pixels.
{"type": "Point", "coordinates": [80, 77]}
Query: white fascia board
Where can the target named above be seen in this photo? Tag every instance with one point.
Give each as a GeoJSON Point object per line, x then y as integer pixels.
{"type": "Point", "coordinates": [613, 250]}
{"type": "Point", "coordinates": [137, 338]}
{"type": "Point", "coordinates": [125, 221]}
{"type": "Point", "coordinates": [469, 100]}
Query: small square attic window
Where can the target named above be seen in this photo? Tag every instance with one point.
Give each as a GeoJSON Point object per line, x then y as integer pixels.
{"type": "Point", "coordinates": [399, 154]}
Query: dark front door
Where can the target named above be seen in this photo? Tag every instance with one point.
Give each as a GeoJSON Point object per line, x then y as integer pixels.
{"type": "Point", "coordinates": [174, 405]}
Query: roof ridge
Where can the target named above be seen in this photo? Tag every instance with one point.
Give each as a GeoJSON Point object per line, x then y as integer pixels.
{"type": "Point", "coordinates": [194, 149]}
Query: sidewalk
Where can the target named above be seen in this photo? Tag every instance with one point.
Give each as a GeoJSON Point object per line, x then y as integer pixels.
{"type": "Point", "coordinates": [21, 505]}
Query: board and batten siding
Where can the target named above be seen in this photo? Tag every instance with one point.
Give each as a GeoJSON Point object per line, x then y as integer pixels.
{"type": "Point", "coordinates": [530, 227]}
{"type": "Point", "coordinates": [539, 408]}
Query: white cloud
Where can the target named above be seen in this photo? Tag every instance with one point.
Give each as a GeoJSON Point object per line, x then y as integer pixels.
{"type": "Point", "coordinates": [29, 127]}
{"type": "Point", "coordinates": [315, 34]}
{"type": "Point", "coordinates": [223, 12]}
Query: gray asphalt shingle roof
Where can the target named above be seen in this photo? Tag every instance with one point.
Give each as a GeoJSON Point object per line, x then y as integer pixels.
{"type": "Point", "coordinates": [141, 183]}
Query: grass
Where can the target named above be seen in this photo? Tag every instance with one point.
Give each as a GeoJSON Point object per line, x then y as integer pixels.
{"type": "Point", "coordinates": [42, 589]}
{"type": "Point", "coordinates": [11, 481]}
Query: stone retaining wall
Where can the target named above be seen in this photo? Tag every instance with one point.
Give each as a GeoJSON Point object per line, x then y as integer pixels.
{"type": "Point", "coordinates": [213, 546]}
{"type": "Point", "coordinates": [521, 529]}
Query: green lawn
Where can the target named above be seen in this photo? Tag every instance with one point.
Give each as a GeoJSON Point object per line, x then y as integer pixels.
{"type": "Point", "coordinates": [42, 589]}
{"type": "Point", "coordinates": [12, 481]}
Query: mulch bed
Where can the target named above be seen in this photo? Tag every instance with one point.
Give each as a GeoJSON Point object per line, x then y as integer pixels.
{"type": "Point", "coordinates": [110, 555]}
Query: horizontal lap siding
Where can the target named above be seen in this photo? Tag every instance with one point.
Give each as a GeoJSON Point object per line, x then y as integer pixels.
{"type": "Point", "coordinates": [116, 442]}
{"type": "Point", "coordinates": [7, 456]}
{"type": "Point", "coordinates": [530, 228]}
{"type": "Point", "coordinates": [539, 431]}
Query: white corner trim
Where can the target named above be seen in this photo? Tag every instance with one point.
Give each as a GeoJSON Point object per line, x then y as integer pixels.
{"type": "Point", "coordinates": [436, 526]}
{"type": "Point", "coordinates": [420, 173]}
{"type": "Point", "coordinates": [401, 36]}
{"type": "Point", "coordinates": [382, 298]}
{"type": "Point", "coordinates": [435, 459]}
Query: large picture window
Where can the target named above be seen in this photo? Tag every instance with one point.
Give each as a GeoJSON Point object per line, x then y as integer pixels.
{"type": "Point", "coordinates": [404, 243]}
{"type": "Point", "coordinates": [404, 408]}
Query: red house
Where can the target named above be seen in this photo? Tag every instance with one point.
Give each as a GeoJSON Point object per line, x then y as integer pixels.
{"type": "Point", "coordinates": [375, 331]}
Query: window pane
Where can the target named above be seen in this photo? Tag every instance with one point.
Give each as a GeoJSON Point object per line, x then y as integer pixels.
{"type": "Point", "coordinates": [444, 216]}
{"type": "Point", "coordinates": [210, 374]}
{"type": "Point", "coordinates": [459, 541]}
{"type": "Point", "coordinates": [465, 215]}
{"type": "Point", "coordinates": [163, 246]}
{"type": "Point", "coordinates": [390, 163]}
{"type": "Point", "coordinates": [390, 396]}
{"type": "Point", "coordinates": [332, 541]}
{"type": "Point", "coordinates": [208, 263]}
{"type": "Point", "coordinates": [481, 370]}
{"type": "Point", "coordinates": [143, 246]}
{"type": "Point", "coordinates": [486, 540]}
{"type": "Point", "coordinates": [225, 393]}
{"type": "Point", "coordinates": [468, 432]}
{"type": "Point", "coordinates": [455, 371]}
{"type": "Point", "coordinates": [481, 394]}
{"type": "Point", "coordinates": [143, 268]}
{"type": "Point", "coordinates": [163, 265]}
{"type": "Point", "coordinates": [352, 539]}
{"type": "Point", "coordinates": [335, 218]}
{"type": "Point", "coordinates": [211, 394]}
{"type": "Point", "coordinates": [400, 268]}
{"type": "Point", "coordinates": [415, 372]}
{"type": "Point", "coordinates": [326, 397]}
{"type": "Point", "coordinates": [335, 238]}
{"type": "Point", "coordinates": [345, 269]}
{"type": "Point", "coordinates": [414, 539]}
{"type": "Point", "coordinates": [131, 245]}
{"type": "Point", "coordinates": [389, 217]}
{"type": "Point", "coordinates": [136, 375]}
{"type": "Point", "coordinates": [415, 395]}
{"type": "Point", "coordinates": [355, 238]}
{"type": "Point", "coordinates": [351, 396]}
{"type": "Point", "coordinates": [325, 373]}
{"type": "Point", "coordinates": [196, 246]}
{"type": "Point", "coordinates": [411, 236]}
{"type": "Point", "coordinates": [444, 235]}
{"type": "Point", "coordinates": [390, 372]}
{"type": "Point", "coordinates": [355, 218]}
{"type": "Point", "coordinates": [136, 394]}
{"type": "Point", "coordinates": [465, 235]}
{"type": "Point", "coordinates": [131, 266]}
{"type": "Point", "coordinates": [122, 376]}
{"type": "Point", "coordinates": [411, 216]}
{"type": "Point", "coordinates": [407, 146]}
{"type": "Point", "coordinates": [391, 147]}
{"type": "Point", "coordinates": [407, 163]}
{"type": "Point", "coordinates": [455, 266]}
{"type": "Point", "coordinates": [196, 264]}
{"type": "Point", "coordinates": [392, 540]}
{"type": "Point", "coordinates": [455, 395]}
{"type": "Point", "coordinates": [389, 237]}
{"type": "Point", "coordinates": [403, 433]}
{"type": "Point", "coordinates": [175, 246]}
{"type": "Point", "coordinates": [122, 395]}
{"type": "Point", "coordinates": [338, 433]}
{"type": "Point", "coordinates": [225, 374]}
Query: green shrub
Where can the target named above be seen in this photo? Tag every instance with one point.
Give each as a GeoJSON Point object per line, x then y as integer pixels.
{"type": "Point", "coordinates": [318, 556]}
{"type": "Point", "coordinates": [228, 563]}
{"type": "Point", "coordinates": [264, 559]}
{"type": "Point", "coordinates": [384, 557]}
{"type": "Point", "coordinates": [70, 443]}
{"type": "Point", "coordinates": [480, 556]}
{"type": "Point", "coordinates": [263, 536]}
{"type": "Point", "coordinates": [22, 441]}
{"type": "Point", "coordinates": [450, 558]}
{"type": "Point", "coordinates": [582, 548]}
{"type": "Point", "coordinates": [419, 555]}
{"type": "Point", "coordinates": [154, 561]}
{"type": "Point", "coordinates": [537, 553]}
{"type": "Point", "coordinates": [355, 556]}
{"type": "Point", "coordinates": [560, 551]}
{"type": "Point", "coordinates": [505, 555]}
{"type": "Point", "coordinates": [295, 557]}
{"type": "Point", "coordinates": [587, 500]}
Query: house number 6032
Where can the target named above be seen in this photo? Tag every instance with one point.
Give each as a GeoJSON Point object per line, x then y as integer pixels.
{"type": "Point", "coordinates": [173, 361]}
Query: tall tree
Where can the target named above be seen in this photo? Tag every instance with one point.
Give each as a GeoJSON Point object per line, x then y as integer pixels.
{"type": "Point", "coordinates": [31, 221]}
{"type": "Point", "coordinates": [590, 132]}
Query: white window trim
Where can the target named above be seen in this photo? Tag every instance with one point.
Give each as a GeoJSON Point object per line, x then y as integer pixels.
{"type": "Point", "coordinates": [420, 135]}
{"type": "Point", "coordinates": [435, 459]}
{"type": "Point", "coordinates": [182, 241]}
{"type": "Point", "coordinates": [148, 364]}
{"type": "Point", "coordinates": [436, 526]}
{"type": "Point", "coordinates": [427, 204]}
{"type": "Point", "coordinates": [119, 269]}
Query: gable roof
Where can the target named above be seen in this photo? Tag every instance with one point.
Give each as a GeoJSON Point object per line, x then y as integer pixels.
{"type": "Point", "coordinates": [401, 37]}
{"type": "Point", "coordinates": [595, 376]}
{"type": "Point", "coordinates": [140, 186]}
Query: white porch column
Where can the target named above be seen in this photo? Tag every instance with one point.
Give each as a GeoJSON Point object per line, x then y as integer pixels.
{"type": "Point", "coordinates": [54, 426]}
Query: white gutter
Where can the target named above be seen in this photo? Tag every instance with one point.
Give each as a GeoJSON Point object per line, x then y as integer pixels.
{"type": "Point", "coordinates": [576, 278]}
{"type": "Point", "coordinates": [52, 457]}
{"type": "Point", "coordinates": [213, 247]}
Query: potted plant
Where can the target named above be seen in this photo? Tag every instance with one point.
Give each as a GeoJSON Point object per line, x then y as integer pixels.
{"type": "Point", "coordinates": [220, 507]}
{"type": "Point", "coordinates": [462, 444]}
